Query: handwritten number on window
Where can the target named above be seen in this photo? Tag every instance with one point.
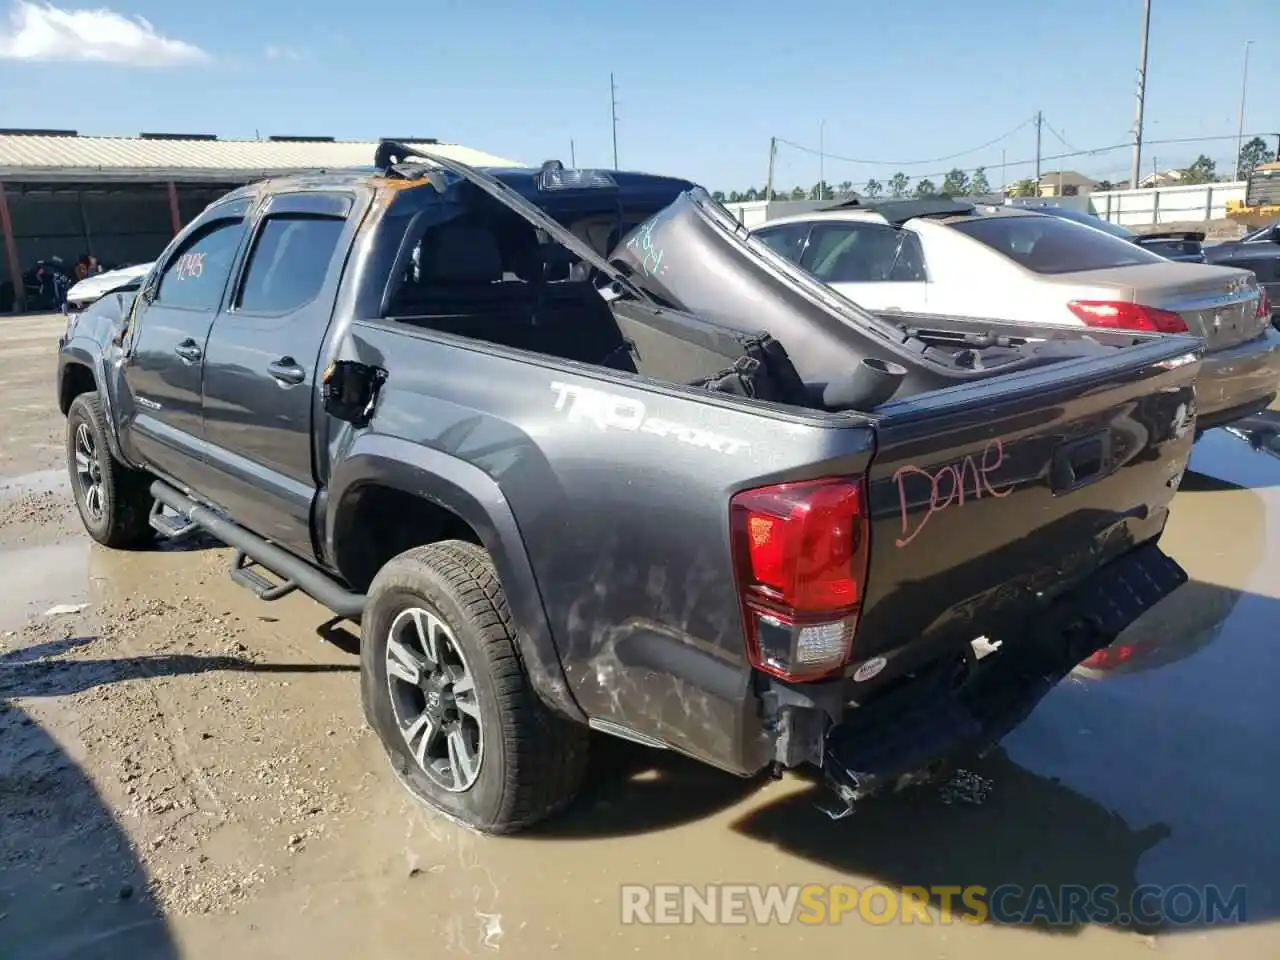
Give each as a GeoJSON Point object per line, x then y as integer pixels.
{"type": "Point", "coordinates": [190, 266]}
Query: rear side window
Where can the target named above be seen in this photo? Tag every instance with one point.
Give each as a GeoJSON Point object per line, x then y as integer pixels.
{"type": "Point", "coordinates": [787, 240]}
{"type": "Point", "coordinates": [289, 262]}
{"type": "Point", "coordinates": [864, 253]}
{"type": "Point", "coordinates": [1050, 245]}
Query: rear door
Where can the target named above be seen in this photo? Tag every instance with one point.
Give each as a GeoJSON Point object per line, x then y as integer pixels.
{"type": "Point", "coordinates": [259, 396]}
{"type": "Point", "coordinates": [165, 348]}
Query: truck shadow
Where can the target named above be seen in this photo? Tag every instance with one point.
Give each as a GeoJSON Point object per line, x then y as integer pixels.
{"type": "Point", "coordinates": [71, 886]}
{"type": "Point", "coordinates": [1030, 833]}
{"type": "Point", "coordinates": [44, 670]}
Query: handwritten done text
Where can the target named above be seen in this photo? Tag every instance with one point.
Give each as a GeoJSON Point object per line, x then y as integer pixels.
{"type": "Point", "coordinates": [950, 485]}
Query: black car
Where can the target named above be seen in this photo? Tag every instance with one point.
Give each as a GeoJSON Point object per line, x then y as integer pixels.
{"type": "Point", "coordinates": [1258, 251]}
{"type": "Point", "coordinates": [1183, 245]}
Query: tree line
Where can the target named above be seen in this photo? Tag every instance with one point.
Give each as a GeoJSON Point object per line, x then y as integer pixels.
{"type": "Point", "coordinates": [959, 183]}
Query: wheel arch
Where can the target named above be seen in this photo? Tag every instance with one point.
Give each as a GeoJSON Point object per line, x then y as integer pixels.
{"type": "Point", "coordinates": [424, 495]}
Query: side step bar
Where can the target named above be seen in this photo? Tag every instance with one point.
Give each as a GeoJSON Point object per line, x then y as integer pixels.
{"type": "Point", "coordinates": [297, 574]}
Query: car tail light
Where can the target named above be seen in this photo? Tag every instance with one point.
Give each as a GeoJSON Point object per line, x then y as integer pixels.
{"type": "Point", "coordinates": [800, 554]}
{"type": "Point", "coordinates": [1110, 656]}
{"type": "Point", "coordinates": [1120, 315]}
{"type": "Point", "coordinates": [1264, 304]}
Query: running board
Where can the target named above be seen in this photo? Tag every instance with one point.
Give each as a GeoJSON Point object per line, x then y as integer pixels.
{"type": "Point", "coordinates": [295, 573]}
{"type": "Point", "coordinates": [170, 527]}
{"type": "Point", "coordinates": [242, 572]}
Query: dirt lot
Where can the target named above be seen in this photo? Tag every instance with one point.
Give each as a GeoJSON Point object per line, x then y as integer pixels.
{"type": "Point", "coordinates": [184, 771]}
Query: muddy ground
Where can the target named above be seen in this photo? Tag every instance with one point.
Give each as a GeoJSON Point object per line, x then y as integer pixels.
{"type": "Point", "coordinates": [184, 771]}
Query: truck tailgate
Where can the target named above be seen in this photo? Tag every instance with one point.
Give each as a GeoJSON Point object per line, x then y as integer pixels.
{"type": "Point", "coordinates": [988, 501]}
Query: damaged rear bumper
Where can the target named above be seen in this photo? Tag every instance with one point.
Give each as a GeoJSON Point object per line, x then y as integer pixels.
{"type": "Point", "coordinates": [966, 706]}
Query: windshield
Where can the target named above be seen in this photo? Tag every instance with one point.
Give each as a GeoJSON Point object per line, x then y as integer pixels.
{"type": "Point", "coordinates": [1089, 220]}
{"type": "Point", "coordinates": [1052, 245]}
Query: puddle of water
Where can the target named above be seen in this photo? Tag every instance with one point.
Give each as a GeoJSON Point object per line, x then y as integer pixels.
{"type": "Point", "coordinates": [38, 577]}
{"type": "Point", "coordinates": [42, 481]}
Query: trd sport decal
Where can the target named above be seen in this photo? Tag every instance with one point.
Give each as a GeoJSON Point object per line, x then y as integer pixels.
{"type": "Point", "coordinates": [608, 410]}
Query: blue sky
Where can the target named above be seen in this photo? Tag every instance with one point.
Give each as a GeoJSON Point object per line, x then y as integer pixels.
{"type": "Point", "coordinates": [701, 86]}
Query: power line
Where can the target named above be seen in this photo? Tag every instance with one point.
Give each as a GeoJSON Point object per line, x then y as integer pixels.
{"type": "Point", "coordinates": [907, 163]}
{"type": "Point", "coordinates": [1031, 161]}
{"type": "Point", "coordinates": [1061, 139]}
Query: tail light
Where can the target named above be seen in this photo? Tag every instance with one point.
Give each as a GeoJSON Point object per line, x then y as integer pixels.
{"type": "Point", "coordinates": [1120, 315]}
{"type": "Point", "coordinates": [1110, 656]}
{"type": "Point", "coordinates": [1264, 304]}
{"type": "Point", "coordinates": [800, 554]}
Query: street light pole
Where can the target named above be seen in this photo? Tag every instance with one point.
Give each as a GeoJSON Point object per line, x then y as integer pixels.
{"type": "Point", "coordinates": [1244, 89]}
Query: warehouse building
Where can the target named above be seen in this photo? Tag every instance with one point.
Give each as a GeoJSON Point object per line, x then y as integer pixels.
{"type": "Point", "coordinates": [121, 199]}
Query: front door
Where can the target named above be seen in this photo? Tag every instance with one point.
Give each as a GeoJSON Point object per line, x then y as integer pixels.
{"type": "Point", "coordinates": [167, 334]}
{"type": "Point", "coordinates": [260, 365]}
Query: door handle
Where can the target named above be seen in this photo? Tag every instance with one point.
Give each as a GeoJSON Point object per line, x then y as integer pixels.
{"type": "Point", "coordinates": [188, 350]}
{"type": "Point", "coordinates": [286, 371]}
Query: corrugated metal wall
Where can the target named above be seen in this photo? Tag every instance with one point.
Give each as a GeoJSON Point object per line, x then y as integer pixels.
{"type": "Point", "coordinates": [118, 224]}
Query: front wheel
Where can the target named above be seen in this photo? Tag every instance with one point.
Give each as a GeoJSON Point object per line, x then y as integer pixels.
{"type": "Point", "coordinates": [444, 688]}
{"type": "Point", "coordinates": [114, 501]}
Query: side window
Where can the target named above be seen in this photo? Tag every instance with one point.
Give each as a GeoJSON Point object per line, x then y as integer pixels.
{"type": "Point", "coordinates": [787, 240]}
{"type": "Point", "coordinates": [289, 262]}
{"type": "Point", "coordinates": [864, 253]}
{"type": "Point", "coordinates": [196, 278]}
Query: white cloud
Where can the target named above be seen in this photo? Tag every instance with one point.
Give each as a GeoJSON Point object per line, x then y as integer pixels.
{"type": "Point", "coordinates": [282, 53]}
{"type": "Point", "coordinates": [43, 32]}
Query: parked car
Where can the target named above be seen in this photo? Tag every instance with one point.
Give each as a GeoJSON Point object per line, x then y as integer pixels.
{"type": "Point", "coordinates": [94, 288]}
{"type": "Point", "coordinates": [1182, 245]}
{"type": "Point", "coordinates": [1005, 264]}
{"type": "Point", "coordinates": [1258, 251]}
{"type": "Point", "coordinates": [559, 504]}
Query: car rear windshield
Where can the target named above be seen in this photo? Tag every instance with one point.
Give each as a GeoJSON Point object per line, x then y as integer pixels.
{"type": "Point", "coordinates": [1049, 244]}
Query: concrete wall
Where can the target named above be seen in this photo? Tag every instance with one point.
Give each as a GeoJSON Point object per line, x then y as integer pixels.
{"type": "Point", "coordinates": [752, 213]}
{"type": "Point", "coordinates": [1173, 204]}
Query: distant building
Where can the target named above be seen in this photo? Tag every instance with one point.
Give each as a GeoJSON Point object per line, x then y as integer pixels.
{"type": "Point", "coordinates": [122, 199]}
{"type": "Point", "coordinates": [1163, 178]}
{"type": "Point", "coordinates": [1066, 183]}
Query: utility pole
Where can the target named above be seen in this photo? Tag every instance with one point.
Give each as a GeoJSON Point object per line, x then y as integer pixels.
{"type": "Point", "coordinates": [613, 112]}
{"type": "Point", "coordinates": [1039, 124]}
{"type": "Point", "coordinates": [1004, 180]}
{"type": "Point", "coordinates": [822, 177]}
{"type": "Point", "coordinates": [573, 157]}
{"type": "Point", "coordinates": [1136, 170]}
{"type": "Point", "coordinates": [773, 153]}
{"type": "Point", "coordinates": [1244, 88]}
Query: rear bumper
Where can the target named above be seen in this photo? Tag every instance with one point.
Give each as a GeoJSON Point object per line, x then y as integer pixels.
{"type": "Point", "coordinates": [1236, 382]}
{"type": "Point", "coordinates": [965, 707]}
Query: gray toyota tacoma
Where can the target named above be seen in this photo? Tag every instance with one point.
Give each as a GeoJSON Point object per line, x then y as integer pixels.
{"type": "Point", "coordinates": [556, 501]}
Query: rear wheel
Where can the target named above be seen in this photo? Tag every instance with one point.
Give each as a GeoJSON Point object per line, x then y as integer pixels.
{"type": "Point", "coordinates": [114, 501]}
{"type": "Point", "coordinates": [444, 689]}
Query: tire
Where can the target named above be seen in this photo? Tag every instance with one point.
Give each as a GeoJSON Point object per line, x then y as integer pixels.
{"type": "Point", "coordinates": [531, 760]}
{"type": "Point", "coordinates": [117, 513]}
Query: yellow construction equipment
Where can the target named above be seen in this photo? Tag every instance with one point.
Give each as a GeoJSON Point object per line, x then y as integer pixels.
{"type": "Point", "coordinates": [1261, 203]}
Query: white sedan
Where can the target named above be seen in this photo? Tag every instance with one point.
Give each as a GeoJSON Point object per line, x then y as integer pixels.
{"type": "Point", "coordinates": [1002, 263]}
{"type": "Point", "coordinates": [94, 288]}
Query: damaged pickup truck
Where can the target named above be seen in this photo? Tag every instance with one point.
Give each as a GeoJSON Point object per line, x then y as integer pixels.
{"type": "Point", "coordinates": [556, 501]}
